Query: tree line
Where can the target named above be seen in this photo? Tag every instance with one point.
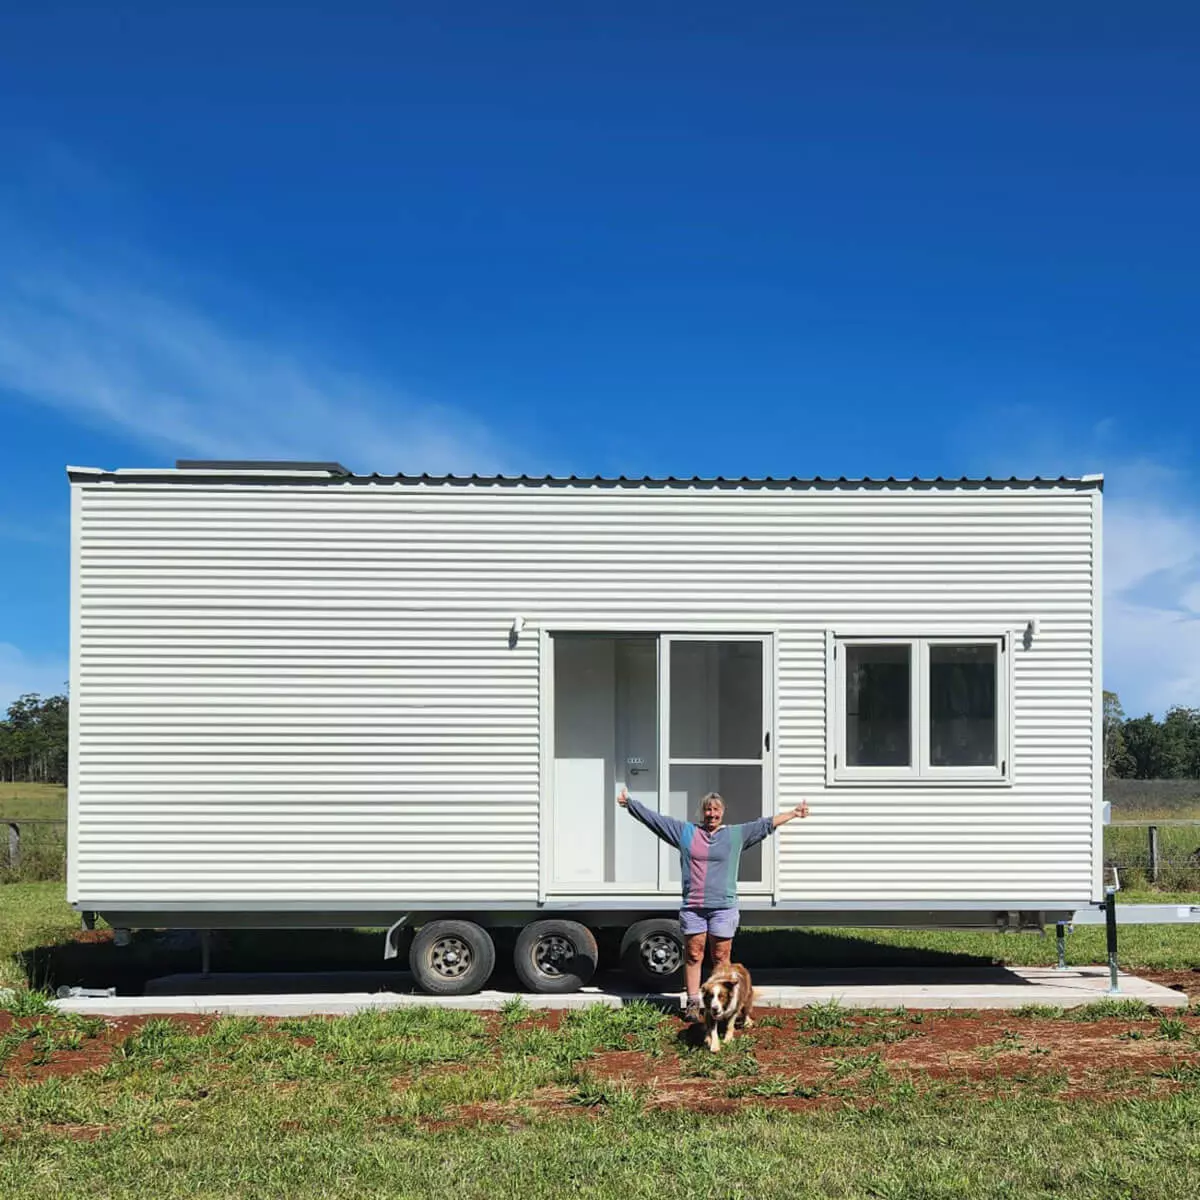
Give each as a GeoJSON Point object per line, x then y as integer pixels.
{"type": "Point", "coordinates": [33, 740]}
{"type": "Point", "coordinates": [1146, 748]}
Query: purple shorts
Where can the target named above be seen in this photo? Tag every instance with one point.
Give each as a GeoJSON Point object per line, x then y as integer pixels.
{"type": "Point", "coordinates": [716, 922]}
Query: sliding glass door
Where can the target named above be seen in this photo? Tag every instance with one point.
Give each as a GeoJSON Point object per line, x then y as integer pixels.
{"type": "Point", "coordinates": [670, 718]}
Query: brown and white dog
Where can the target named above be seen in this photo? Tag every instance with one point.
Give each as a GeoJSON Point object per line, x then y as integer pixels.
{"type": "Point", "coordinates": [727, 998]}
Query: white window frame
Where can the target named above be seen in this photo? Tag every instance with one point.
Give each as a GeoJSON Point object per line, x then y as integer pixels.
{"type": "Point", "coordinates": [920, 771]}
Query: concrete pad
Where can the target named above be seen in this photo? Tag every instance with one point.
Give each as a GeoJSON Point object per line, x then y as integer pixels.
{"type": "Point", "coordinates": [927, 988]}
{"type": "Point", "coordinates": [938, 988]}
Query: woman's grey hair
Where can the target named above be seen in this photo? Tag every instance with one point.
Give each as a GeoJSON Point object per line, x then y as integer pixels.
{"type": "Point", "coordinates": [711, 796]}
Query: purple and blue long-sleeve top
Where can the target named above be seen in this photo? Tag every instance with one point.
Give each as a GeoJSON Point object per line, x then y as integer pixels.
{"type": "Point", "coordinates": [708, 862]}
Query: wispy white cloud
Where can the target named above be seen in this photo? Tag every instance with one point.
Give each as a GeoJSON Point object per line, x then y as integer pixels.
{"type": "Point", "coordinates": [94, 323]}
{"type": "Point", "coordinates": [156, 368]}
{"type": "Point", "coordinates": [163, 357]}
{"type": "Point", "coordinates": [1151, 544]}
{"type": "Point", "coordinates": [1152, 589]}
{"type": "Point", "coordinates": [22, 673]}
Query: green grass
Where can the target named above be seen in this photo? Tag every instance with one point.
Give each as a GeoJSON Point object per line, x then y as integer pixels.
{"type": "Point", "coordinates": [1127, 846]}
{"type": "Point", "coordinates": [1154, 896]}
{"type": "Point", "coordinates": [366, 1106]}
{"type": "Point", "coordinates": [1137, 803]}
{"type": "Point", "coordinates": [1148, 799]}
{"type": "Point", "coordinates": [1029, 1148]}
{"type": "Point", "coordinates": [43, 847]}
{"type": "Point", "coordinates": [31, 914]}
{"type": "Point", "coordinates": [29, 800]}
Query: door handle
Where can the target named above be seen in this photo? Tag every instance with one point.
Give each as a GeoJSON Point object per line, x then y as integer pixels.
{"type": "Point", "coordinates": [767, 742]}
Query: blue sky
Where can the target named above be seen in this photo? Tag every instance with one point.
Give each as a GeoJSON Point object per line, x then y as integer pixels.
{"type": "Point", "coordinates": [763, 239]}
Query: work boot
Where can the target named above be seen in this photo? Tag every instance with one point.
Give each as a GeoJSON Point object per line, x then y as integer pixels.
{"type": "Point", "coordinates": [691, 1011]}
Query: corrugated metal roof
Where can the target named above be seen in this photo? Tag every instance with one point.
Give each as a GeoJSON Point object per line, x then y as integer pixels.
{"type": "Point", "coordinates": [319, 474]}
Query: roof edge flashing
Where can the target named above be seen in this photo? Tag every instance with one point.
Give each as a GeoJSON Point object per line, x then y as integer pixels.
{"type": "Point", "coordinates": [194, 471]}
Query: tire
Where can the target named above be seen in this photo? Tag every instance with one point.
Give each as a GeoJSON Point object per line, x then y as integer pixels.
{"type": "Point", "coordinates": [652, 953]}
{"type": "Point", "coordinates": [555, 956]}
{"type": "Point", "coordinates": [452, 958]}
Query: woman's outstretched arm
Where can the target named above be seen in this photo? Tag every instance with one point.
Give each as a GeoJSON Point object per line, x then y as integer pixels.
{"type": "Point", "coordinates": [756, 831]}
{"type": "Point", "coordinates": [667, 828]}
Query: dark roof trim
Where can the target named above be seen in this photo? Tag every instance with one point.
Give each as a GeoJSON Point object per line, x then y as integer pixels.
{"type": "Point", "coordinates": [318, 474]}
{"type": "Point", "coordinates": [238, 464]}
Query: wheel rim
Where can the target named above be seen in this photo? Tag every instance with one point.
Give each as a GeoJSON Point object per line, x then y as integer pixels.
{"type": "Point", "coordinates": [661, 954]}
{"type": "Point", "coordinates": [450, 957]}
{"type": "Point", "coordinates": [552, 953]}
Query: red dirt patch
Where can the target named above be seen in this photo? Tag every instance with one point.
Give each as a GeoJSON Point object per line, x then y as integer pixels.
{"type": "Point", "coordinates": [32, 1059]}
{"type": "Point", "coordinates": [546, 1018]}
{"type": "Point", "coordinates": [79, 1133]}
{"type": "Point", "coordinates": [475, 1114]}
{"type": "Point", "coordinates": [92, 937]}
{"type": "Point", "coordinates": [957, 1055]}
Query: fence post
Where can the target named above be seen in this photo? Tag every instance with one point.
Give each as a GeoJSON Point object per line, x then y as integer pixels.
{"type": "Point", "coordinates": [1153, 853]}
{"type": "Point", "coordinates": [14, 845]}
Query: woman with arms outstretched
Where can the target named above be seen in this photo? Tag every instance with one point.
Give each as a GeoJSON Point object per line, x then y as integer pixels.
{"type": "Point", "coordinates": [709, 855]}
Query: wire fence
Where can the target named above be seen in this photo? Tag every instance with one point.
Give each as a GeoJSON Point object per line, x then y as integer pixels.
{"type": "Point", "coordinates": [33, 849]}
{"type": "Point", "coordinates": [1163, 854]}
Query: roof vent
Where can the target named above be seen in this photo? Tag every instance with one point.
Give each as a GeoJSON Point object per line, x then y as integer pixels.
{"type": "Point", "coordinates": [241, 464]}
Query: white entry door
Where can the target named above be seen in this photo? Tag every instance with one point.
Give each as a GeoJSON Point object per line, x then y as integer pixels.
{"type": "Point", "coordinates": [717, 721]}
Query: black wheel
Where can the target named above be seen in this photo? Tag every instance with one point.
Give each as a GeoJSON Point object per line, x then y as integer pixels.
{"type": "Point", "coordinates": [652, 953]}
{"type": "Point", "coordinates": [555, 956]}
{"type": "Point", "coordinates": [451, 958]}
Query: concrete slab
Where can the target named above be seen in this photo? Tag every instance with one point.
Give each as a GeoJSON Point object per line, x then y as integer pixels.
{"type": "Point", "coordinates": [928, 988]}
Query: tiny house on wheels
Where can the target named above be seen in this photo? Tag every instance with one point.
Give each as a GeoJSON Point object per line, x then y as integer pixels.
{"type": "Point", "coordinates": [302, 697]}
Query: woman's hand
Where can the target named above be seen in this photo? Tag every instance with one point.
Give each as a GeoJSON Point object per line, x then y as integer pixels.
{"type": "Point", "coordinates": [797, 813]}
{"type": "Point", "coordinates": [623, 798]}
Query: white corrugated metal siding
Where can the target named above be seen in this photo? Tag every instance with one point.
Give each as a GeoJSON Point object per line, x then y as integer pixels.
{"type": "Point", "coordinates": [298, 694]}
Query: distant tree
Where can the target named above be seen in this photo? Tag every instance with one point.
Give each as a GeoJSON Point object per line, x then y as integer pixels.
{"type": "Point", "coordinates": [1118, 764]}
{"type": "Point", "coordinates": [33, 740]}
{"type": "Point", "coordinates": [1181, 743]}
{"type": "Point", "coordinates": [1146, 746]}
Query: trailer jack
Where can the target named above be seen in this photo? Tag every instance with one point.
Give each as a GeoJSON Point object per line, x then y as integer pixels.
{"type": "Point", "coordinates": [1060, 938]}
{"type": "Point", "coordinates": [1110, 924]}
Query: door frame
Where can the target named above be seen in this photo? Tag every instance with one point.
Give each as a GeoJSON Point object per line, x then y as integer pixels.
{"type": "Point", "coordinates": [766, 762]}
{"type": "Point", "coordinates": [693, 631]}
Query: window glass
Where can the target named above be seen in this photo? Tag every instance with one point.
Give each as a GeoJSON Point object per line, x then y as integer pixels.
{"type": "Point", "coordinates": [962, 705]}
{"type": "Point", "coordinates": [878, 706]}
{"type": "Point", "coordinates": [716, 699]}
